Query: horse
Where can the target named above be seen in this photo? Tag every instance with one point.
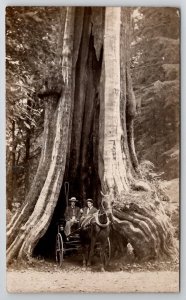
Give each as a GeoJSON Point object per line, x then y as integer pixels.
{"type": "Point", "coordinates": [96, 229]}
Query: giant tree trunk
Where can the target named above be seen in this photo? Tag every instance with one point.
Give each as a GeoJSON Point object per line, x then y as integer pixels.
{"type": "Point", "coordinates": [138, 216]}
{"type": "Point", "coordinates": [91, 124]}
{"type": "Point", "coordinates": [25, 237]}
{"type": "Point", "coordinates": [113, 172]}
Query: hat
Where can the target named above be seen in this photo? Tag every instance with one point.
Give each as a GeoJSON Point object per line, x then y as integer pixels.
{"type": "Point", "coordinates": [89, 200]}
{"type": "Point", "coordinates": [73, 199]}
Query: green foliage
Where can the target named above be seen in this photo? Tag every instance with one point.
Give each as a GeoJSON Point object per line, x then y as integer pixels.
{"type": "Point", "coordinates": [155, 72]}
{"type": "Point", "coordinates": [32, 42]}
{"type": "Point", "coordinates": [33, 54]}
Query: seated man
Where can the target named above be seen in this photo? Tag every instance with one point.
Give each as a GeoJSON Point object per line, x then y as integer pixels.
{"type": "Point", "coordinates": [88, 212]}
{"type": "Point", "coordinates": [72, 215]}
{"type": "Point", "coordinates": [90, 209]}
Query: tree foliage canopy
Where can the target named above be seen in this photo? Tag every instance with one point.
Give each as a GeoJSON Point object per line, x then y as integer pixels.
{"type": "Point", "coordinates": [155, 69]}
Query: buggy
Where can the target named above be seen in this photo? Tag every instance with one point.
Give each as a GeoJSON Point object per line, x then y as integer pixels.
{"type": "Point", "coordinates": [66, 244]}
{"type": "Point", "coordinates": [71, 243]}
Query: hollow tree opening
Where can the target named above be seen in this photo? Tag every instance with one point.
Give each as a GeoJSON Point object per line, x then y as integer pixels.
{"type": "Point", "coordinates": [82, 168]}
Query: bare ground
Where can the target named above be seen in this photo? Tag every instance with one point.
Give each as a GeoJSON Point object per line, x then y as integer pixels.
{"type": "Point", "coordinates": [117, 282]}
{"type": "Point", "coordinates": [120, 277]}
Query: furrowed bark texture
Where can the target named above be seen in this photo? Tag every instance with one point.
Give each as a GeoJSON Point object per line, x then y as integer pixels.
{"type": "Point", "coordinates": [28, 206]}
{"type": "Point", "coordinates": [78, 27]}
{"type": "Point", "coordinates": [124, 56]}
{"type": "Point", "coordinates": [38, 222]}
{"type": "Point", "coordinates": [138, 217]}
{"type": "Point", "coordinates": [113, 169]}
{"type": "Point", "coordinates": [80, 92]}
{"type": "Point", "coordinates": [10, 169]}
{"type": "Point", "coordinates": [128, 101]}
{"type": "Point", "coordinates": [141, 220]}
{"type": "Point", "coordinates": [83, 173]}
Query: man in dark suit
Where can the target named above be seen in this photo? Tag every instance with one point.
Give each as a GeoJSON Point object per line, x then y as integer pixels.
{"type": "Point", "coordinates": [87, 213]}
{"type": "Point", "coordinates": [90, 209]}
{"type": "Point", "coordinates": [72, 215]}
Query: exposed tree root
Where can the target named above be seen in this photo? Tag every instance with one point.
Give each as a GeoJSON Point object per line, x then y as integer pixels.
{"type": "Point", "coordinates": [141, 220]}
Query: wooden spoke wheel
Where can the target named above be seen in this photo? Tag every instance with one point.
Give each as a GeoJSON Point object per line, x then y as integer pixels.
{"type": "Point", "coordinates": [59, 249]}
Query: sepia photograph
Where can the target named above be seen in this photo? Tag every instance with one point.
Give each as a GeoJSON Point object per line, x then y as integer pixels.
{"type": "Point", "coordinates": [92, 149]}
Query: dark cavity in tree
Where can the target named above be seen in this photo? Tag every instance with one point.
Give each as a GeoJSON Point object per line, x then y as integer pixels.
{"type": "Point", "coordinates": [82, 168]}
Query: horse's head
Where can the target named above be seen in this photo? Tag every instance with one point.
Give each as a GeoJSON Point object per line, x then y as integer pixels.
{"type": "Point", "coordinates": [107, 203]}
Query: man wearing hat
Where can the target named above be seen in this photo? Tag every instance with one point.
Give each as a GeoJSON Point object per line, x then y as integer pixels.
{"type": "Point", "coordinates": [88, 212]}
{"type": "Point", "coordinates": [72, 215]}
{"type": "Point", "coordinates": [90, 209]}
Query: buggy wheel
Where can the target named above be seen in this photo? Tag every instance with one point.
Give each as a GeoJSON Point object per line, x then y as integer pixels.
{"type": "Point", "coordinates": [59, 249]}
{"type": "Point", "coordinates": [107, 253]}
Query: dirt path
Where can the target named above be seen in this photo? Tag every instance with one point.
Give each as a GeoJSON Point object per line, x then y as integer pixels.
{"type": "Point", "coordinates": [63, 281]}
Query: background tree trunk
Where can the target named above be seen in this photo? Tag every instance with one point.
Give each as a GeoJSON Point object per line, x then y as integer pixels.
{"type": "Point", "coordinates": [11, 169]}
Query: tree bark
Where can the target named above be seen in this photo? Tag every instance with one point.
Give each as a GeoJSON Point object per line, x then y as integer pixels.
{"type": "Point", "coordinates": [11, 169]}
{"type": "Point", "coordinates": [80, 92]}
{"type": "Point", "coordinates": [28, 205]}
{"type": "Point", "coordinates": [113, 167]}
{"type": "Point", "coordinates": [138, 217]}
{"type": "Point", "coordinates": [141, 220]}
{"type": "Point", "coordinates": [38, 222]}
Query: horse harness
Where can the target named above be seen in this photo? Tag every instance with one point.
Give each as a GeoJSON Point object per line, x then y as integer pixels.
{"type": "Point", "coordinates": [89, 223]}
